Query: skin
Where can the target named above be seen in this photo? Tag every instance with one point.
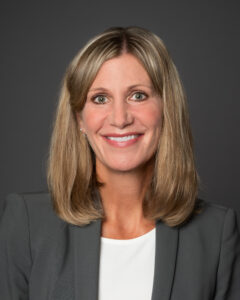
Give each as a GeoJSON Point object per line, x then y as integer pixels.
{"type": "Point", "coordinates": [126, 170]}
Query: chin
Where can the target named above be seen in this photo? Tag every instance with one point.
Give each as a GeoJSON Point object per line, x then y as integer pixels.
{"type": "Point", "coordinates": [126, 166]}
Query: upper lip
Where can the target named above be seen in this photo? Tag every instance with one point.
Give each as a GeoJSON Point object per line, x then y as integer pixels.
{"type": "Point", "coordinates": [123, 134]}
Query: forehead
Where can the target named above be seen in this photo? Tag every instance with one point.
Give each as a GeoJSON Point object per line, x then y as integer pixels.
{"type": "Point", "coordinates": [122, 70]}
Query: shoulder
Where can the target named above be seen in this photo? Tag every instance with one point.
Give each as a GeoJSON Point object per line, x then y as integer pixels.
{"type": "Point", "coordinates": [33, 210]}
{"type": "Point", "coordinates": [34, 203]}
{"type": "Point", "coordinates": [214, 221]}
{"type": "Point", "coordinates": [212, 212]}
{"type": "Point", "coordinates": [215, 235]}
{"type": "Point", "coordinates": [30, 225]}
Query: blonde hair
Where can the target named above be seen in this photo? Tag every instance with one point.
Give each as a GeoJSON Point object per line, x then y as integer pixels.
{"type": "Point", "coordinates": [71, 174]}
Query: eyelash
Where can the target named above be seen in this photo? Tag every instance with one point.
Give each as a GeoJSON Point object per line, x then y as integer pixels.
{"type": "Point", "coordinates": [101, 95]}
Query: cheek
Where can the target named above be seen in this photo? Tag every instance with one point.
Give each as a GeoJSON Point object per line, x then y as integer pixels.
{"type": "Point", "coordinates": [92, 119]}
{"type": "Point", "coordinates": [151, 116]}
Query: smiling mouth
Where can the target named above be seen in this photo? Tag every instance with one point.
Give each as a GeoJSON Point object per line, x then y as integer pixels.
{"type": "Point", "coordinates": [123, 139]}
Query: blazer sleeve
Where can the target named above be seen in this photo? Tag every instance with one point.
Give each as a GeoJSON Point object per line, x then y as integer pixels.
{"type": "Point", "coordinates": [15, 256]}
{"type": "Point", "coordinates": [228, 275]}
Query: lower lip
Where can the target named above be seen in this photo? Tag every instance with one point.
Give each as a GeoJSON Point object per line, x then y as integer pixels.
{"type": "Point", "coordinates": [124, 143]}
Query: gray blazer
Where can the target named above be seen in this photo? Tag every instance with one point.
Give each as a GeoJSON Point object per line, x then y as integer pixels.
{"type": "Point", "coordinates": [43, 257]}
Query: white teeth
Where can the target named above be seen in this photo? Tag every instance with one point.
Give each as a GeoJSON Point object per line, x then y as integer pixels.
{"type": "Point", "coordinates": [123, 139]}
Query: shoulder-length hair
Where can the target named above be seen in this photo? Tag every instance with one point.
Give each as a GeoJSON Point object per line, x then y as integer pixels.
{"type": "Point", "coordinates": [71, 174]}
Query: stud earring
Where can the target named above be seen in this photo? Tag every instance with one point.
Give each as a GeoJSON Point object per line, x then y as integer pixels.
{"type": "Point", "coordinates": [81, 129]}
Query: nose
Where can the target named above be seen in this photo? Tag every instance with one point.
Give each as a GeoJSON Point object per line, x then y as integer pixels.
{"type": "Point", "coordinates": [120, 115]}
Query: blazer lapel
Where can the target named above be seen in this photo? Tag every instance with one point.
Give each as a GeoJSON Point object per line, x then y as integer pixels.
{"type": "Point", "coordinates": [165, 260]}
{"type": "Point", "coordinates": [86, 260]}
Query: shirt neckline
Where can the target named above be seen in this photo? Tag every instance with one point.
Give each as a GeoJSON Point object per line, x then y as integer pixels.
{"type": "Point", "coordinates": [129, 241]}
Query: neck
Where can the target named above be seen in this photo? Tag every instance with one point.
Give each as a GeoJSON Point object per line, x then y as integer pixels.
{"type": "Point", "coordinates": [122, 196]}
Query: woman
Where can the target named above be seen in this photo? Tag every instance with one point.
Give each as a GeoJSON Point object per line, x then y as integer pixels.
{"type": "Point", "coordinates": [125, 222]}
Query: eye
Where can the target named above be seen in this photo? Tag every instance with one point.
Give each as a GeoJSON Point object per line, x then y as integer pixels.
{"type": "Point", "coordinates": [140, 96]}
{"type": "Point", "coordinates": [99, 99]}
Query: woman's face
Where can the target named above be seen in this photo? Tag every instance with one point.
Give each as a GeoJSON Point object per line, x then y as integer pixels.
{"type": "Point", "coordinates": [122, 115]}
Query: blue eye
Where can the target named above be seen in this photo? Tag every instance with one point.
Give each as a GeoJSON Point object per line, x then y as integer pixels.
{"type": "Point", "coordinates": [99, 99]}
{"type": "Point", "coordinates": [140, 96]}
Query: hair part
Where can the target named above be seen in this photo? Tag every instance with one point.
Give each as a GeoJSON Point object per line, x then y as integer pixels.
{"type": "Point", "coordinates": [71, 174]}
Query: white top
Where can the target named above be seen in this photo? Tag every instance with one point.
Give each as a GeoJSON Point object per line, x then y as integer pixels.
{"type": "Point", "coordinates": [127, 268]}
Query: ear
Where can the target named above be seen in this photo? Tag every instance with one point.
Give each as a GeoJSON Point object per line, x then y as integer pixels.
{"type": "Point", "coordinates": [79, 119]}
{"type": "Point", "coordinates": [80, 122]}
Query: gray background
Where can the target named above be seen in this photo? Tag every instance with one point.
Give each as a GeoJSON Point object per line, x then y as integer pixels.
{"type": "Point", "coordinates": [38, 40]}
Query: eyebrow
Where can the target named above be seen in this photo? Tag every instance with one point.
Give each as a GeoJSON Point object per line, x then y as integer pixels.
{"type": "Point", "coordinates": [129, 88]}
